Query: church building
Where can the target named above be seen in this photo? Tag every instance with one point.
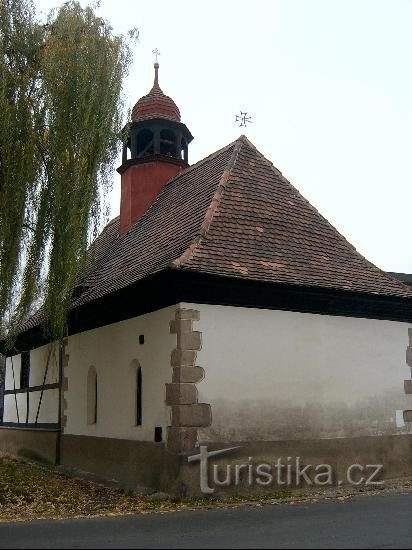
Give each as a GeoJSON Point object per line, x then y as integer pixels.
{"type": "Point", "coordinates": [221, 309]}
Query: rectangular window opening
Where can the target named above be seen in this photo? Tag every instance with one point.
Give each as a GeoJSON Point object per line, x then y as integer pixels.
{"type": "Point", "coordinates": [158, 434]}
{"type": "Point", "coordinates": [25, 370]}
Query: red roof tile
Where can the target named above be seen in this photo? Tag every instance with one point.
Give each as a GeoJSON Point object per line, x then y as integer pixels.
{"type": "Point", "coordinates": [155, 104]}
{"type": "Point", "coordinates": [233, 214]}
{"type": "Point", "coordinates": [261, 228]}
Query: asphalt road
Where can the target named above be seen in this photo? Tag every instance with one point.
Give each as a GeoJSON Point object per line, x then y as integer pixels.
{"type": "Point", "coordinates": [382, 521]}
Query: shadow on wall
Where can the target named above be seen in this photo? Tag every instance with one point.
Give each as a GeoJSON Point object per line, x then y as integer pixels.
{"type": "Point", "coordinates": [275, 420]}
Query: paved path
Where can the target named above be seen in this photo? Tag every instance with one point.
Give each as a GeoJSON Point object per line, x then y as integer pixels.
{"type": "Point", "coordinates": [382, 521]}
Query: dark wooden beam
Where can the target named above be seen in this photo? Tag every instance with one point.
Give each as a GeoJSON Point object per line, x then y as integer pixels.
{"type": "Point", "coordinates": [173, 286]}
{"type": "Point", "coordinates": [31, 427]}
{"type": "Point", "coordinates": [32, 389]}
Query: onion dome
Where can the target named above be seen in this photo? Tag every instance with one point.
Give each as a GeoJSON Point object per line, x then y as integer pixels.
{"type": "Point", "coordinates": [155, 104]}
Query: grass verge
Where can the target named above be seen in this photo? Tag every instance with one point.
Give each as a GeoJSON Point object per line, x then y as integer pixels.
{"type": "Point", "coordinates": [30, 490]}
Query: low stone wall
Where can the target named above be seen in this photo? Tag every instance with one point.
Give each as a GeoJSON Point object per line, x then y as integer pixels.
{"type": "Point", "coordinates": [394, 453]}
{"type": "Point", "coordinates": [150, 466]}
{"type": "Point", "coordinates": [135, 465]}
{"type": "Point", "coordinates": [34, 444]}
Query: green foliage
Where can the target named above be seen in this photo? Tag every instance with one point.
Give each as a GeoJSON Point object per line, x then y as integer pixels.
{"type": "Point", "coordinates": [19, 161]}
{"type": "Point", "coordinates": [61, 110]}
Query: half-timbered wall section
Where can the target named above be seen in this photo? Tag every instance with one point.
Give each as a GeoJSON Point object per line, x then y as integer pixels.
{"type": "Point", "coordinates": [31, 391]}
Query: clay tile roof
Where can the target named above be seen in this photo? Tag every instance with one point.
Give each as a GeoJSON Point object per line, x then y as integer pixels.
{"type": "Point", "coordinates": [163, 233]}
{"type": "Point", "coordinates": [155, 105]}
{"type": "Point", "coordinates": [233, 214]}
{"type": "Point", "coordinates": [260, 227]}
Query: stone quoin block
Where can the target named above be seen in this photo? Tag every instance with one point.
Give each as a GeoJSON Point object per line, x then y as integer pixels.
{"type": "Point", "coordinates": [181, 325]}
{"type": "Point", "coordinates": [408, 386]}
{"type": "Point", "coordinates": [410, 336]}
{"type": "Point", "coordinates": [409, 356]}
{"type": "Point", "coordinates": [181, 440]}
{"type": "Point", "coordinates": [192, 314]}
{"type": "Point", "coordinates": [189, 341]}
{"type": "Point", "coordinates": [196, 416]}
{"type": "Point", "coordinates": [191, 375]}
{"type": "Point", "coordinates": [181, 394]}
{"type": "Point", "coordinates": [183, 358]}
{"type": "Point", "coordinates": [407, 416]}
{"type": "Point", "coordinates": [65, 384]}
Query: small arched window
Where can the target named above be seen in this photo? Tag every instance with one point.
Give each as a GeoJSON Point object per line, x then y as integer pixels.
{"type": "Point", "coordinates": [92, 396]}
{"type": "Point", "coordinates": [138, 408]}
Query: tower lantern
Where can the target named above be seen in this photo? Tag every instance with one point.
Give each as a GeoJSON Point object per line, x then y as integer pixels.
{"type": "Point", "coordinates": [156, 149]}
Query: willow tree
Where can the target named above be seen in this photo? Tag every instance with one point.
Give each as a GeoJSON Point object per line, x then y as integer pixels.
{"type": "Point", "coordinates": [60, 117]}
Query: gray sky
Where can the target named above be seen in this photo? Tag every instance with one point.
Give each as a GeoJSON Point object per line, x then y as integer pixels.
{"type": "Point", "coordinates": [327, 82]}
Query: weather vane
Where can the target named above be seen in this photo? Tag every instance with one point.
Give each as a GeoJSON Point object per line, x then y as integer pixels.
{"type": "Point", "coordinates": [156, 54]}
{"type": "Point", "coordinates": [243, 119]}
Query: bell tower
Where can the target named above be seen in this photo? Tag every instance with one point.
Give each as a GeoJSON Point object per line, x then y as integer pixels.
{"type": "Point", "coordinates": [156, 150]}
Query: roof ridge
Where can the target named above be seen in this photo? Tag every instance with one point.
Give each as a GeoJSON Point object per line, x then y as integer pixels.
{"type": "Point", "coordinates": [297, 192]}
{"type": "Point", "coordinates": [183, 172]}
{"type": "Point", "coordinates": [204, 160]}
{"type": "Point", "coordinates": [110, 222]}
{"type": "Point", "coordinates": [247, 142]}
{"type": "Point", "coordinates": [214, 203]}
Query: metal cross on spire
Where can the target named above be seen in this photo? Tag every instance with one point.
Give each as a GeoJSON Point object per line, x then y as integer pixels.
{"type": "Point", "coordinates": [156, 54]}
{"type": "Point", "coordinates": [243, 119]}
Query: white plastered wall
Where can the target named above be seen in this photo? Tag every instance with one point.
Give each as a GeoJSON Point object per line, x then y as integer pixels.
{"type": "Point", "coordinates": [274, 375]}
{"type": "Point", "coordinates": [113, 351]}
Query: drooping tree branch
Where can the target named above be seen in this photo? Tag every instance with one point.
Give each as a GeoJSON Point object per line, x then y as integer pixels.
{"type": "Point", "coordinates": [61, 109]}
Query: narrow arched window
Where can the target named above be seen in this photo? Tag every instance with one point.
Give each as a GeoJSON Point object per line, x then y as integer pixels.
{"type": "Point", "coordinates": [138, 392]}
{"type": "Point", "coordinates": [139, 396]}
{"type": "Point", "coordinates": [92, 396]}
